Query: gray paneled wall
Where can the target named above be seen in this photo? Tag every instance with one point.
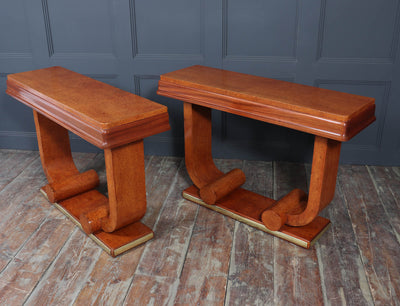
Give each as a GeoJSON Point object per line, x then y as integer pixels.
{"type": "Point", "coordinates": [350, 46]}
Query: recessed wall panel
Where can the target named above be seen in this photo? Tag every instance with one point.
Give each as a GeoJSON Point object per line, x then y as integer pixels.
{"type": "Point", "coordinates": [14, 36]}
{"type": "Point", "coordinates": [80, 26]}
{"type": "Point", "coordinates": [261, 28]}
{"type": "Point", "coordinates": [168, 27]}
{"type": "Point", "coordinates": [359, 29]}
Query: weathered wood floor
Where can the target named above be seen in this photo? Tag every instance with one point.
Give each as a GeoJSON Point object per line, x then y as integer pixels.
{"type": "Point", "coordinates": [199, 257]}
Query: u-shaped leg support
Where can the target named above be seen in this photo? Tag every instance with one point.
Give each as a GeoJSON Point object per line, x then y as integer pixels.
{"type": "Point", "coordinates": [295, 209]}
{"type": "Point", "coordinates": [113, 221]}
{"type": "Point", "coordinates": [64, 178]}
{"type": "Point", "coordinates": [212, 183]}
{"type": "Point", "coordinates": [221, 192]}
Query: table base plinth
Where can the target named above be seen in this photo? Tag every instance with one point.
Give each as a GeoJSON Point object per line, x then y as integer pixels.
{"type": "Point", "coordinates": [114, 243]}
{"type": "Point", "coordinates": [247, 207]}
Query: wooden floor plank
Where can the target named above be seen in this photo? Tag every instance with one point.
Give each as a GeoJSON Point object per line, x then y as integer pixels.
{"type": "Point", "coordinates": [387, 184]}
{"type": "Point", "coordinates": [23, 210]}
{"type": "Point", "coordinates": [13, 162]}
{"type": "Point", "coordinates": [377, 243]}
{"type": "Point", "coordinates": [108, 288]}
{"type": "Point", "coordinates": [341, 268]}
{"type": "Point", "coordinates": [205, 272]}
{"type": "Point", "coordinates": [296, 272]}
{"type": "Point", "coordinates": [25, 270]}
{"type": "Point", "coordinates": [162, 172]}
{"type": "Point", "coordinates": [197, 254]}
{"type": "Point", "coordinates": [251, 267]}
{"type": "Point", "coordinates": [162, 261]}
{"type": "Point", "coordinates": [23, 206]}
{"type": "Point", "coordinates": [69, 271]}
{"type": "Point", "coordinates": [4, 182]}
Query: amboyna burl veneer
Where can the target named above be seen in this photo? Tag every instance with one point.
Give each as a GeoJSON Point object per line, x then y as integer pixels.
{"type": "Point", "coordinates": [109, 118]}
{"type": "Point", "coordinates": [333, 117]}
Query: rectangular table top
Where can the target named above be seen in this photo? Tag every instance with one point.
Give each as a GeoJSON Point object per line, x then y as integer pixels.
{"type": "Point", "coordinates": [100, 113]}
{"type": "Point", "coordinates": [318, 111]}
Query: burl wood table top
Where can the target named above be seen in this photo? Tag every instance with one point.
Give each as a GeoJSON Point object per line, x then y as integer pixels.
{"type": "Point", "coordinates": [100, 113]}
{"type": "Point", "coordinates": [318, 111]}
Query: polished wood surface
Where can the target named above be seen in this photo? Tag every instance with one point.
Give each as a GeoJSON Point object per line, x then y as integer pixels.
{"type": "Point", "coordinates": [126, 185]}
{"type": "Point", "coordinates": [108, 117]}
{"type": "Point", "coordinates": [318, 111]}
{"type": "Point", "coordinates": [199, 161]}
{"type": "Point", "coordinates": [331, 116]}
{"type": "Point", "coordinates": [222, 186]}
{"type": "Point", "coordinates": [212, 259]}
{"type": "Point", "coordinates": [293, 203]}
{"type": "Point", "coordinates": [101, 114]}
{"type": "Point", "coordinates": [323, 180]}
{"type": "Point", "coordinates": [246, 206]}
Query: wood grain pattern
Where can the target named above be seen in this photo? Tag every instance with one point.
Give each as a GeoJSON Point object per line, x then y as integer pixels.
{"type": "Point", "coordinates": [221, 187]}
{"type": "Point", "coordinates": [252, 250]}
{"type": "Point", "coordinates": [67, 273]}
{"type": "Point", "coordinates": [377, 242]}
{"type": "Point", "coordinates": [173, 227]}
{"type": "Point", "coordinates": [108, 117]}
{"type": "Point", "coordinates": [204, 275]}
{"type": "Point", "coordinates": [343, 278]}
{"type": "Point", "coordinates": [262, 270]}
{"type": "Point", "coordinates": [25, 270]}
{"type": "Point", "coordinates": [322, 182]}
{"type": "Point", "coordinates": [296, 273]}
{"type": "Point", "coordinates": [198, 152]}
{"type": "Point", "coordinates": [313, 110]}
{"type": "Point", "coordinates": [160, 171]}
{"type": "Point", "coordinates": [292, 203]}
{"type": "Point", "coordinates": [14, 162]}
{"type": "Point", "coordinates": [101, 114]}
{"type": "Point", "coordinates": [387, 185]}
{"type": "Point", "coordinates": [126, 185]}
{"type": "Point", "coordinates": [248, 206]}
{"type": "Point", "coordinates": [331, 116]}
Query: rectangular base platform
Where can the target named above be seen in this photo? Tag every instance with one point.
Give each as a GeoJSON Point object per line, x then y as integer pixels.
{"type": "Point", "coordinates": [247, 207]}
{"type": "Point", "coordinates": [114, 243]}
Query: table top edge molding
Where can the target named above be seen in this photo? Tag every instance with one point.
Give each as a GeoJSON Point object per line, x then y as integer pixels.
{"type": "Point", "coordinates": [84, 127]}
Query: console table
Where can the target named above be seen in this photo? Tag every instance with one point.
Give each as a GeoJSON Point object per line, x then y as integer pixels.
{"type": "Point", "coordinates": [333, 117]}
{"type": "Point", "coordinates": [109, 118]}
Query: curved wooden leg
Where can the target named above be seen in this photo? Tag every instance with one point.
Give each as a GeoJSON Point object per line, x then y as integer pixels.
{"type": "Point", "coordinates": [126, 185]}
{"type": "Point", "coordinates": [55, 151]}
{"type": "Point", "coordinates": [198, 155]}
{"type": "Point", "coordinates": [323, 180]}
{"type": "Point", "coordinates": [64, 178]}
{"type": "Point", "coordinates": [246, 206]}
{"type": "Point", "coordinates": [291, 209]}
{"type": "Point", "coordinates": [213, 183]}
{"type": "Point", "coordinates": [73, 192]}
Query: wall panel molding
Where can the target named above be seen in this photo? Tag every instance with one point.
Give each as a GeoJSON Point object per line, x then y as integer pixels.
{"type": "Point", "coordinates": [170, 57]}
{"type": "Point", "coordinates": [17, 134]}
{"type": "Point", "coordinates": [361, 60]}
{"type": "Point", "coordinates": [137, 78]}
{"type": "Point", "coordinates": [343, 45]}
{"type": "Point", "coordinates": [139, 55]}
{"type": "Point", "coordinates": [267, 58]}
{"type": "Point", "coordinates": [15, 55]}
{"type": "Point", "coordinates": [47, 25]}
{"type": "Point", "coordinates": [132, 19]}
